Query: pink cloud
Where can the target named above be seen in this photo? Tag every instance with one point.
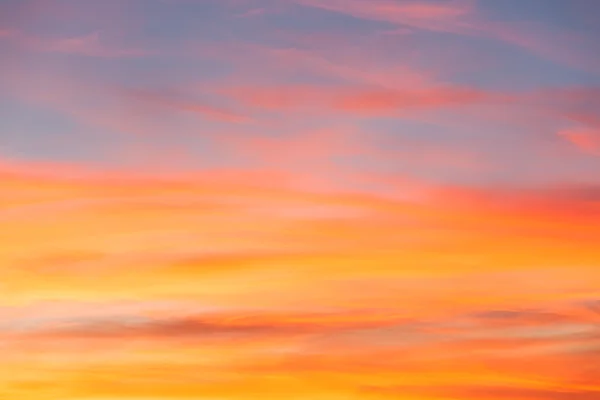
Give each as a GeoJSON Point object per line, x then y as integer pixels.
{"type": "Point", "coordinates": [300, 148]}
{"type": "Point", "coordinates": [382, 101]}
{"type": "Point", "coordinates": [586, 140]}
{"type": "Point", "coordinates": [560, 46]}
{"type": "Point", "coordinates": [355, 100]}
{"type": "Point", "coordinates": [119, 110]}
{"type": "Point", "coordinates": [177, 102]}
{"type": "Point", "coordinates": [312, 56]}
{"type": "Point", "coordinates": [444, 16]}
{"type": "Point", "coordinates": [462, 17]}
{"type": "Point", "coordinates": [90, 45]}
{"type": "Point", "coordinates": [254, 12]}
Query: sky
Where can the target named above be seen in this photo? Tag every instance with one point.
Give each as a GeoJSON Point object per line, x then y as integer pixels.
{"type": "Point", "coordinates": [300, 199]}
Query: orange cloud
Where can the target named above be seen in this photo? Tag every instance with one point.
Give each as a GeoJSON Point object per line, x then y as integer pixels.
{"type": "Point", "coordinates": [303, 270]}
{"type": "Point", "coordinates": [364, 352]}
{"type": "Point", "coordinates": [141, 226]}
{"type": "Point", "coordinates": [493, 392]}
{"type": "Point", "coordinates": [263, 289]}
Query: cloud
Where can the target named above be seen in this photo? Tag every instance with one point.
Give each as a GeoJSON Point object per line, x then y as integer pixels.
{"type": "Point", "coordinates": [358, 85]}
{"type": "Point", "coordinates": [442, 16]}
{"type": "Point", "coordinates": [492, 392]}
{"type": "Point", "coordinates": [88, 45]}
{"type": "Point", "coordinates": [463, 18]}
{"type": "Point", "coordinates": [386, 101]}
{"type": "Point", "coordinates": [364, 101]}
{"type": "Point", "coordinates": [313, 247]}
{"type": "Point", "coordinates": [179, 102]}
{"type": "Point", "coordinates": [548, 332]}
{"type": "Point", "coordinates": [169, 329]}
{"type": "Point", "coordinates": [340, 61]}
{"type": "Point", "coordinates": [144, 237]}
{"type": "Point", "coordinates": [586, 140]}
{"type": "Point", "coordinates": [135, 118]}
{"type": "Point", "coordinates": [226, 326]}
{"type": "Point", "coordinates": [565, 47]}
{"type": "Point", "coordinates": [254, 12]}
{"type": "Point", "coordinates": [107, 27]}
{"type": "Point", "coordinates": [304, 151]}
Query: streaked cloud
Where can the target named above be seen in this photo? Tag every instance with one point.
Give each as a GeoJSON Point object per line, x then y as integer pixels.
{"type": "Point", "coordinates": [299, 199]}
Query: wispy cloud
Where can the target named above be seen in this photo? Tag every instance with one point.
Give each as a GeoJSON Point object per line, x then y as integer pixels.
{"type": "Point", "coordinates": [299, 199]}
{"type": "Point", "coordinates": [463, 17]}
{"type": "Point", "coordinates": [586, 140]}
{"type": "Point", "coordinates": [89, 45]}
{"type": "Point", "coordinates": [179, 102]}
{"type": "Point", "coordinates": [440, 16]}
{"type": "Point", "coordinates": [355, 100]}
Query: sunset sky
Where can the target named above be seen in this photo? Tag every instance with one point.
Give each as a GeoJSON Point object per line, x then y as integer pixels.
{"type": "Point", "coordinates": [299, 199]}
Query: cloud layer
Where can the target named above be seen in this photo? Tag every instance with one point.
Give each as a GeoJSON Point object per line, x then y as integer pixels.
{"type": "Point", "coordinates": [378, 199]}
